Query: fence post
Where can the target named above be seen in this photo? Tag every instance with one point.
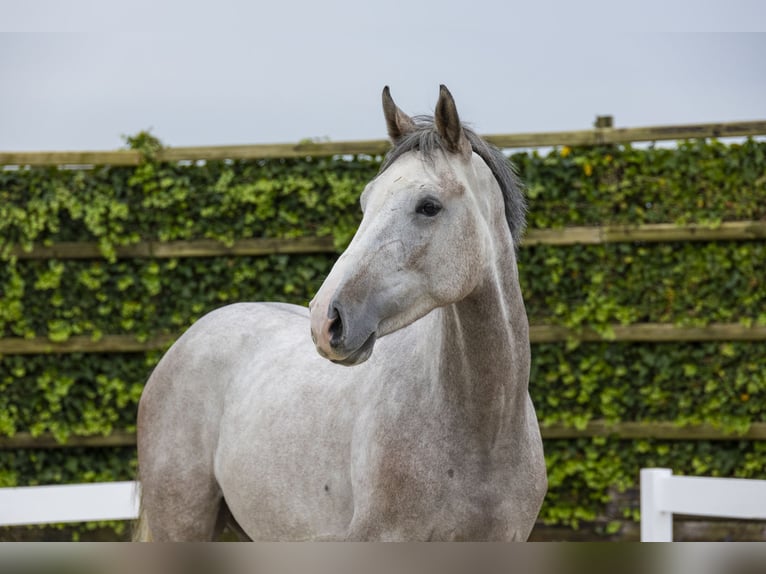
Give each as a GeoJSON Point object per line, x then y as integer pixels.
{"type": "Point", "coordinates": [604, 122]}
{"type": "Point", "coordinates": [656, 523]}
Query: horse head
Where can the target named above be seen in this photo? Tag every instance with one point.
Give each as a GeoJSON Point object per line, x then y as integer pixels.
{"type": "Point", "coordinates": [430, 221]}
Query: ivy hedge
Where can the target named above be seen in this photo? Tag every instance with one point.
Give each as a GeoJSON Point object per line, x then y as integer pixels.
{"type": "Point", "coordinates": [85, 394]}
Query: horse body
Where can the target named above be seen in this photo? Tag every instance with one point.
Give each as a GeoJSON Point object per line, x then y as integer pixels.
{"type": "Point", "coordinates": [432, 436]}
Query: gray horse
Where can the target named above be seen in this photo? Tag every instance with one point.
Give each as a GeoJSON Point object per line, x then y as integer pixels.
{"type": "Point", "coordinates": [431, 437]}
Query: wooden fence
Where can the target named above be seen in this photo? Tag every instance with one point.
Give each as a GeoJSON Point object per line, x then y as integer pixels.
{"type": "Point", "coordinates": [646, 332]}
{"type": "Point", "coordinates": [595, 136]}
{"type": "Point", "coordinates": [727, 231]}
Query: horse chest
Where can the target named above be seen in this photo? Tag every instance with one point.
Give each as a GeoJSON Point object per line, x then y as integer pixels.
{"type": "Point", "coordinates": [427, 507]}
{"type": "Point", "coordinates": [429, 487]}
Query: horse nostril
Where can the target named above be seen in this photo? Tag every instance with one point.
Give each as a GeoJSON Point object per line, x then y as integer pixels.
{"type": "Point", "coordinates": [336, 328]}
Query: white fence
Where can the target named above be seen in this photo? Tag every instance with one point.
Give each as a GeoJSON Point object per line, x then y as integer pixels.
{"type": "Point", "coordinates": [68, 503]}
{"type": "Point", "coordinates": [663, 495]}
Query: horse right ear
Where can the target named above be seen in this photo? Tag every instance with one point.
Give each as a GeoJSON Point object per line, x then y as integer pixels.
{"type": "Point", "coordinates": [398, 123]}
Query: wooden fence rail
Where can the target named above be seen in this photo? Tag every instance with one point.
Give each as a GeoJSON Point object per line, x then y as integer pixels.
{"type": "Point", "coordinates": [663, 430]}
{"type": "Point", "coordinates": [647, 233]}
{"type": "Point", "coordinates": [189, 248]}
{"type": "Point", "coordinates": [595, 136]}
{"type": "Point", "coordinates": [636, 333]}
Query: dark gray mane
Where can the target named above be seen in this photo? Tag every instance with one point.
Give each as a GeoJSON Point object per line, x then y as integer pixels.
{"type": "Point", "coordinates": [426, 139]}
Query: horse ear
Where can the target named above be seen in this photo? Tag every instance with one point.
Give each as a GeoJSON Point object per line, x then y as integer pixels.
{"type": "Point", "coordinates": [398, 123]}
{"type": "Point", "coordinates": [448, 124]}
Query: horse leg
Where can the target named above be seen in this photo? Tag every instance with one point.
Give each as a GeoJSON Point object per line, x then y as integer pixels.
{"type": "Point", "coordinates": [175, 509]}
{"type": "Point", "coordinates": [177, 434]}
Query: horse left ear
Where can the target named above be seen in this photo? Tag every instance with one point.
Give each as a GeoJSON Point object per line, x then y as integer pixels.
{"type": "Point", "coordinates": [398, 123]}
{"type": "Point", "coordinates": [448, 124]}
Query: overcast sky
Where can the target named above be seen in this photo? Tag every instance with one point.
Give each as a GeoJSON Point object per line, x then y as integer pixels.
{"type": "Point", "coordinates": [80, 74]}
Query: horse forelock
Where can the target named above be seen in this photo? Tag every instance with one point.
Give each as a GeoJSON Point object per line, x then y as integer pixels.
{"type": "Point", "coordinates": [426, 140]}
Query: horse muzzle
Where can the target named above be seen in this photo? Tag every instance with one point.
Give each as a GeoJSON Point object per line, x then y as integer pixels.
{"type": "Point", "coordinates": [333, 338]}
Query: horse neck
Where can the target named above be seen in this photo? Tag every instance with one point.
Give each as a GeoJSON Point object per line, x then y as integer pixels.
{"type": "Point", "coordinates": [484, 362]}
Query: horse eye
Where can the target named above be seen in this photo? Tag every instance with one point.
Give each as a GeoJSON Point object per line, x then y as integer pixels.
{"type": "Point", "coordinates": [429, 207]}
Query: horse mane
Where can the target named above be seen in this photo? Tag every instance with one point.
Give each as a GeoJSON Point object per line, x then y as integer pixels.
{"type": "Point", "coordinates": [425, 139]}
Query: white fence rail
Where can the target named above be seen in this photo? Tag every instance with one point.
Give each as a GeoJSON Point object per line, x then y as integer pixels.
{"type": "Point", "coordinates": [663, 495]}
{"type": "Point", "coordinates": [68, 503]}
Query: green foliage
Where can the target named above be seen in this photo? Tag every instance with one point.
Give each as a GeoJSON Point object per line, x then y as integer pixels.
{"type": "Point", "coordinates": [86, 394]}
{"type": "Point", "coordinates": [148, 296]}
{"type": "Point", "coordinates": [723, 384]}
{"type": "Point", "coordinates": [700, 181]}
{"type": "Point", "coordinates": [681, 283]}
{"type": "Point", "coordinates": [585, 474]}
{"type": "Point", "coordinates": [76, 394]}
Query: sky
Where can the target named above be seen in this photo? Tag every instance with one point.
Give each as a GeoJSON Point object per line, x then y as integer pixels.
{"type": "Point", "coordinates": [81, 74]}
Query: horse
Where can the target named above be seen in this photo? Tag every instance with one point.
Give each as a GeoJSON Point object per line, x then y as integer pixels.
{"type": "Point", "coordinates": [394, 408]}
